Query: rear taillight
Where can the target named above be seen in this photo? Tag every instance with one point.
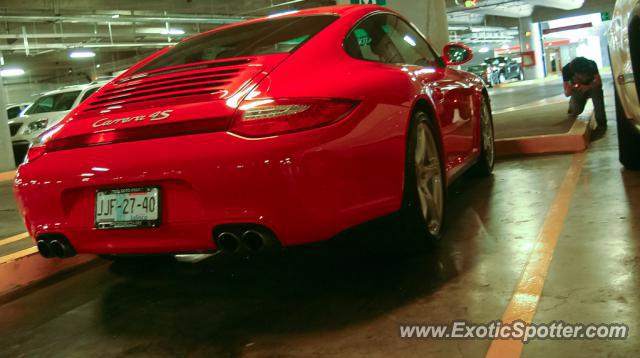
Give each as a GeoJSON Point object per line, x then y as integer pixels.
{"type": "Point", "coordinates": [268, 117]}
{"type": "Point", "coordinates": [39, 145]}
{"type": "Point", "coordinates": [35, 152]}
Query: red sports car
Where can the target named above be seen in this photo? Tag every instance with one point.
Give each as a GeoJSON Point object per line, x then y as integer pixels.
{"type": "Point", "coordinates": [283, 130]}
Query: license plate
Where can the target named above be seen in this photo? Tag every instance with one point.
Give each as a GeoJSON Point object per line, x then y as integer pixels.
{"type": "Point", "coordinates": [127, 208]}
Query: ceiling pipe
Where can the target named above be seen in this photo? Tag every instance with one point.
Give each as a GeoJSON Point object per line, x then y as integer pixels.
{"type": "Point", "coordinates": [122, 19]}
{"type": "Point", "coordinates": [517, 8]}
{"type": "Point", "coordinates": [83, 45]}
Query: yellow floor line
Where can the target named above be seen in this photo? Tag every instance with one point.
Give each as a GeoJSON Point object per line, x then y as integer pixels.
{"type": "Point", "coordinates": [526, 297]}
{"type": "Point", "coordinates": [19, 254]}
{"type": "Point", "coordinates": [14, 238]}
{"type": "Point", "coordinates": [7, 176]}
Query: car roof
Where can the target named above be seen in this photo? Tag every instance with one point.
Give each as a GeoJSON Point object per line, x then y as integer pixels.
{"type": "Point", "coordinates": [73, 88]}
{"type": "Point", "coordinates": [339, 10]}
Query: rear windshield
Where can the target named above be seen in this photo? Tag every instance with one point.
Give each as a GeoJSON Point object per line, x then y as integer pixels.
{"type": "Point", "coordinates": [259, 38]}
{"type": "Point", "coordinates": [53, 103]}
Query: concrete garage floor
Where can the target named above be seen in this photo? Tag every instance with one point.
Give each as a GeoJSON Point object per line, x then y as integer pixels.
{"type": "Point", "coordinates": [348, 298]}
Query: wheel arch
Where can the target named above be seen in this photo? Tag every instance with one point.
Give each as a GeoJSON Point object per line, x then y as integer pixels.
{"type": "Point", "coordinates": [425, 104]}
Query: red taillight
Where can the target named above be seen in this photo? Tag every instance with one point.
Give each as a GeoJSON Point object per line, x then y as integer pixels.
{"type": "Point", "coordinates": [39, 146]}
{"type": "Point", "coordinates": [268, 117]}
{"type": "Point", "coordinates": [35, 152]}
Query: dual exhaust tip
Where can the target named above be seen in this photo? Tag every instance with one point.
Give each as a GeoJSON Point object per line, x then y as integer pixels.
{"type": "Point", "coordinates": [56, 246]}
{"type": "Point", "coordinates": [252, 240]}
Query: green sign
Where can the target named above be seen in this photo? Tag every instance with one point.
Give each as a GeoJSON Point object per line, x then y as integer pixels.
{"type": "Point", "coordinates": [605, 16]}
{"type": "Point", "coordinates": [369, 2]}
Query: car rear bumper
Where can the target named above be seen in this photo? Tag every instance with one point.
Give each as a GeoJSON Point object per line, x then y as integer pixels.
{"type": "Point", "coordinates": [303, 187]}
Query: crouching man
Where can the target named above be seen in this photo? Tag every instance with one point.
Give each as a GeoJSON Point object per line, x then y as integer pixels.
{"type": "Point", "coordinates": [581, 82]}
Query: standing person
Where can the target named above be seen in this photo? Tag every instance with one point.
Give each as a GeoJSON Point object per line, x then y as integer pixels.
{"type": "Point", "coordinates": [581, 82]}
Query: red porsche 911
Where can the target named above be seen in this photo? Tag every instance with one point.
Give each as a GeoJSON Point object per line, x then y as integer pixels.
{"type": "Point", "coordinates": [282, 131]}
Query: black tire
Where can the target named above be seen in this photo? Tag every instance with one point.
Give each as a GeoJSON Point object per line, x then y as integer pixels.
{"type": "Point", "coordinates": [486, 160]}
{"type": "Point", "coordinates": [628, 138]}
{"type": "Point", "coordinates": [423, 226]}
{"type": "Point", "coordinates": [502, 78]}
{"type": "Point", "coordinates": [520, 75]}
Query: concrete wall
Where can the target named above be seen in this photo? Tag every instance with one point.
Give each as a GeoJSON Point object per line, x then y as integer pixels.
{"type": "Point", "coordinates": [6, 150]}
{"type": "Point", "coordinates": [27, 92]}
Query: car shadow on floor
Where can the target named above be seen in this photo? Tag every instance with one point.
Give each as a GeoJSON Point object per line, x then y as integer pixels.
{"type": "Point", "coordinates": [220, 305]}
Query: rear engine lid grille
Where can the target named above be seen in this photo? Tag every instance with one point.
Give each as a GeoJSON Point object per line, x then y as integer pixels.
{"type": "Point", "coordinates": [215, 79]}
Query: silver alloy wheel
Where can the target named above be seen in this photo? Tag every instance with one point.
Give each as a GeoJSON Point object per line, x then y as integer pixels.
{"type": "Point", "coordinates": [503, 78]}
{"type": "Point", "coordinates": [488, 139]}
{"type": "Point", "coordinates": [429, 178]}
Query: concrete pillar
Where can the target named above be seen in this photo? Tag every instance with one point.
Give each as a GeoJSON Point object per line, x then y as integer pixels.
{"type": "Point", "coordinates": [6, 149]}
{"type": "Point", "coordinates": [429, 16]}
{"type": "Point", "coordinates": [532, 42]}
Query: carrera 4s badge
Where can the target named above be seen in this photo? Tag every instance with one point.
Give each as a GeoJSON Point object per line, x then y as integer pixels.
{"type": "Point", "coordinates": [156, 116]}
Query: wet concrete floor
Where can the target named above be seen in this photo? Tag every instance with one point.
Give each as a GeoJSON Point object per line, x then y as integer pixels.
{"type": "Point", "coordinates": [348, 297]}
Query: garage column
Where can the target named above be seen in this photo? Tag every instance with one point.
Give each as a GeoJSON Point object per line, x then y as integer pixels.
{"type": "Point", "coordinates": [6, 150]}
{"type": "Point", "coordinates": [531, 40]}
{"type": "Point", "coordinates": [429, 16]}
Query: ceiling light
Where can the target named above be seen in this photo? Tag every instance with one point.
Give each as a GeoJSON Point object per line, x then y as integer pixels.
{"type": "Point", "coordinates": [408, 39]}
{"type": "Point", "coordinates": [82, 54]}
{"type": "Point", "coordinates": [11, 72]}
{"type": "Point", "coordinates": [172, 32]}
{"type": "Point", "coordinates": [483, 49]}
{"type": "Point", "coordinates": [115, 16]}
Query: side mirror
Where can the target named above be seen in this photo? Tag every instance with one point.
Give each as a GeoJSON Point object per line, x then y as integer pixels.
{"type": "Point", "coordinates": [457, 54]}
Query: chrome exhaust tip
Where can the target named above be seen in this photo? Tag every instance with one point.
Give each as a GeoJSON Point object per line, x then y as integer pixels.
{"type": "Point", "coordinates": [60, 248]}
{"type": "Point", "coordinates": [253, 240]}
{"type": "Point", "coordinates": [44, 249]}
{"type": "Point", "coordinates": [228, 242]}
{"type": "Point", "coordinates": [57, 249]}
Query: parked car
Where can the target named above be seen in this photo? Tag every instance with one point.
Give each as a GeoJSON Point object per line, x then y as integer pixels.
{"type": "Point", "coordinates": [46, 111]}
{"type": "Point", "coordinates": [485, 72]}
{"type": "Point", "coordinates": [505, 68]}
{"type": "Point", "coordinates": [14, 110]}
{"type": "Point", "coordinates": [624, 48]}
{"type": "Point", "coordinates": [228, 141]}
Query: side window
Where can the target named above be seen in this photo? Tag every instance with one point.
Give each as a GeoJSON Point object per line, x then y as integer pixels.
{"type": "Point", "coordinates": [46, 105]}
{"type": "Point", "coordinates": [413, 47]}
{"type": "Point", "coordinates": [387, 38]}
{"type": "Point", "coordinates": [369, 41]}
{"type": "Point", "coordinates": [89, 93]}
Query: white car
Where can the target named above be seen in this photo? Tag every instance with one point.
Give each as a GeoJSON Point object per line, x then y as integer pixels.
{"type": "Point", "coordinates": [624, 47]}
{"type": "Point", "coordinates": [49, 109]}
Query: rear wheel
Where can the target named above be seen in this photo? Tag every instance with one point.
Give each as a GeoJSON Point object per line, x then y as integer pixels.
{"type": "Point", "coordinates": [502, 78]}
{"type": "Point", "coordinates": [424, 197]}
{"type": "Point", "coordinates": [628, 138]}
{"type": "Point", "coordinates": [484, 166]}
{"type": "Point", "coordinates": [521, 75]}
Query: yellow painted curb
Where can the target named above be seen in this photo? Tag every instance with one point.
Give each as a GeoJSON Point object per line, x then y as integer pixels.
{"type": "Point", "coordinates": [7, 176]}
